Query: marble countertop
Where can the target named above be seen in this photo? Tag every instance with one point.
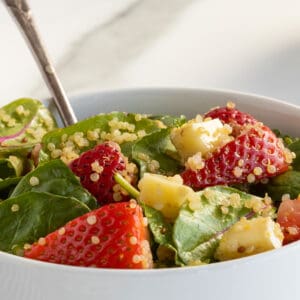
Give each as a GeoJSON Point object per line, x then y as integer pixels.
{"type": "Point", "coordinates": [251, 46]}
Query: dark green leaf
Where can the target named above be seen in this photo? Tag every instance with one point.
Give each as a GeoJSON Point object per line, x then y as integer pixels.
{"type": "Point", "coordinates": [161, 229]}
{"type": "Point", "coordinates": [7, 185]}
{"type": "Point", "coordinates": [26, 218]}
{"type": "Point", "coordinates": [103, 127]}
{"type": "Point", "coordinates": [56, 178]}
{"type": "Point", "coordinates": [197, 232]}
{"type": "Point", "coordinates": [170, 121]}
{"type": "Point", "coordinates": [162, 232]}
{"type": "Point", "coordinates": [12, 166]}
{"type": "Point", "coordinates": [295, 147]}
{"type": "Point", "coordinates": [30, 121]}
{"type": "Point", "coordinates": [286, 183]}
{"type": "Point", "coordinates": [156, 146]}
{"type": "Point", "coordinates": [287, 139]}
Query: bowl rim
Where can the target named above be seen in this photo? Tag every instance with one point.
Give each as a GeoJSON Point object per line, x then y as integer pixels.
{"type": "Point", "coordinates": [75, 96]}
{"type": "Point", "coordinates": [164, 271]}
{"type": "Point", "coordinates": [236, 263]}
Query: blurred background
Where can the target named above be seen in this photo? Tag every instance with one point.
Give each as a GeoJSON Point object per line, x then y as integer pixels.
{"type": "Point", "coordinates": [246, 45]}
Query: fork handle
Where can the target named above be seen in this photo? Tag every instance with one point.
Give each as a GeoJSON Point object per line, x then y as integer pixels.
{"type": "Point", "coordinates": [21, 13]}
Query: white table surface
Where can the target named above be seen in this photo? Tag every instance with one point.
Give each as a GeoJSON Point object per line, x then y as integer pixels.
{"type": "Point", "coordinates": [252, 46]}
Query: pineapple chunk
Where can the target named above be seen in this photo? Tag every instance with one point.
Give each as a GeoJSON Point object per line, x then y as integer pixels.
{"type": "Point", "coordinates": [248, 237]}
{"type": "Point", "coordinates": [163, 193]}
{"type": "Point", "coordinates": [198, 135]}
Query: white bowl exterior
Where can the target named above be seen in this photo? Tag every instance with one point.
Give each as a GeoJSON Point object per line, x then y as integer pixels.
{"type": "Point", "coordinates": [273, 275]}
{"type": "Point", "coordinates": [189, 102]}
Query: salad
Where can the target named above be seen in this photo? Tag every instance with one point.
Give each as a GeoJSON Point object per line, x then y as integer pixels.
{"type": "Point", "coordinates": [126, 190]}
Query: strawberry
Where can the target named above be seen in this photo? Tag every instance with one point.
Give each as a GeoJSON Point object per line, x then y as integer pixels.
{"type": "Point", "coordinates": [231, 116]}
{"type": "Point", "coordinates": [113, 236]}
{"type": "Point", "coordinates": [255, 154]}
{"type": "Point", "coordinates": [96, 169]}
{"type": "Point", "coordinates": [288, 216]}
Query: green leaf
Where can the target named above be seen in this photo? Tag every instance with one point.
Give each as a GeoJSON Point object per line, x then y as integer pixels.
{"type": "Point", "coordinates": [103, 127]}
{"type": "Point", "coordinates": [12, 166]}
{"type": "Point", "coordinates": [162, 232]}
{"type": "Point", "coordinates": [293, 143]}
{"type": "Point", "coordinates": [158, 147]}
{"type": "Point", "coordinates": [170, 121]}
{"type": "Point", "coordinates": [160, 228]}
{"type": "Point", "coordinates": [287, 139]}
{"type": "Point", "coordinates": [197, 232]}
{"type": "Point", "coordinates": [23, 122]}
{"type": "Point", "coordinates": [26, 218]}
{"type": "Point", "coordinates": [295, 147]}
{"type": "Point", "coordinates": [7, 185]}
{"type": "Point", "coordinates": [56, 178]}
{"type": "Point", "coordinates": [286, 183]}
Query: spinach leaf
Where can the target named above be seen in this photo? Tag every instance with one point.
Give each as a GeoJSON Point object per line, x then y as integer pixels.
{"type": "Point", "coordinates": [197, 232]}
{"type": "Point", "coordinates": [159, 148]}
{"type": "Point", "coordinates": [22, 124]}
{"type": "Point", "coordinates": [56, 178]}
{"type": "Point", "coordinates": [162, 232]}
{"type": "Point", "coordinates": [292, 143]}
{"type": "Point", "coordinates": [7, 185]}
{"type": "Point", "coordinates": [287, 139]}
{"type": "Point", "coordinates": [286, 183]}
{"type": "Point", "coordinates": [122, 128]}
{"type": "Point", "coordinates": [27, 217]}
{"type": "Point", "coordinates": [11, 167]}
{"type": "Point", "coordinates": [295, 147]}
{"type": "Point", "coordinates": [170, 121]}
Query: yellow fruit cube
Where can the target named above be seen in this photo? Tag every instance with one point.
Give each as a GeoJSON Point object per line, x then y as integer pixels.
{"type": "Point", "coordinates": [248, 237]}
{"type": "Point", "coordinates": [198, 135]}
{"type": "Point", "coordinates": [166, 194]}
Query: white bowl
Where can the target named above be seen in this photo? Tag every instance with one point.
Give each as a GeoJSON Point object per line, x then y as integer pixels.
{"type": "Point", "coordinates": [270, 275]}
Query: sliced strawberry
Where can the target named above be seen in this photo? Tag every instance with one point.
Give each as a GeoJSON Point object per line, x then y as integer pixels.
{"type": "Point", "coordinates": [288, 216]}
{"type": "Point", "coordinates": [96, 169]}
{"type": "Point", "coordinates": [113, 236]}
{"type": "Point", "coordinates": [255, 154]}
{"type": "Point", "coordinates": [231, 116]}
